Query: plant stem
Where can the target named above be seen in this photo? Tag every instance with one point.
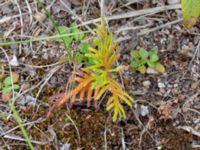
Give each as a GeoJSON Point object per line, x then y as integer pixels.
{"type": "Point", "coordinates": [40, 39]}
{"type": "Point", "coordinates": [19, 121]}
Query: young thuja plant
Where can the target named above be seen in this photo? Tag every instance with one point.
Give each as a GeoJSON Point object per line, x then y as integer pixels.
{"type": "Point", "coordinates": [99, 77]}
{"type": "Point", "coordinates": [143, 59]}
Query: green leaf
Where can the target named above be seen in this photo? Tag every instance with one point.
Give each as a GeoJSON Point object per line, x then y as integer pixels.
{"type": "Point", "coordinates": [7, 81]}
{"type": "Point", "coordinates": [110, 106]}
{"type": "Point", "coordinates": [143, 62]}
{"type": "Point", "coordinates": [142, 69]}
{"type": "Point", "coordinates": [159, 67]}
{"type": "Point", "coordinates": [116, 113]}
{"type": "Point", "coordinates": [90, 55]}
{"type": "Point", "coordinates": [75, 29]}
{"type": "Point", "coordinates": [15, 86]}
{"type": "Point", "coordinates": [7, 90]}
{"type": "Point", "coordinates": [90, 61]}
{"type": "Point", "coordinates": [63, 29]}
{"type": "Point", "coordinates": [154, 58]}
{"type": "Point", "coordinates": [102, 91]}
{"type": "Point", "coordinates": [100, 80]}
{"type": "Point", "coordinates": [126, 100]}
{"type": "Point", "coordinates": [73, 26]}
{"type": "Point", "coordinates": [68, 39]}
{"type": "Point", "coordinates": [122, 111]}
{"type": "Point", "coordinates": [77, 35]}
{"type": "Point", "coordinates": [135, 64]}
{"type": "Point", "coordinates": [135, 54]}
{"type": "Point", "coordinates": [153, 51]}
{"type": "Point", "coordinates": [84, 48]}
{"type": "Point", "coordinates": [117, 69]}
{"type": "Point", "coordinates": [151, 64]}
{"type": "Point", "coordinates": [143, 53]}
{"type": "Point", "coordinates": [191, 12]}
{"type": "Point", "coordinates": [78, 58]}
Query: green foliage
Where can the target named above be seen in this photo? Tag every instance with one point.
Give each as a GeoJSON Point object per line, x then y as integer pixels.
{"type": "Point", "coordinates": [143, 59]}
{"type": "Point", "coordinates": [99, 76]}
{"type": "Point", "coordinates": [6, 85]}
{"type": "Point", "coordinates": [77, 36]}
{"type": "Point", "coordinates": [65, 30]}
{"type": "Point", "coordinates": [84, 48]}
{"type": "Point", "coordinates": [81, 55]}
{"type": "Point", "coordinates": [73, 29]}
{"type": "Point", "coordinates": [191, 12]}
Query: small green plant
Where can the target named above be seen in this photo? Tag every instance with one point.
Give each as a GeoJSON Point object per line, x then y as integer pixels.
{"type": "Point", "coordinates": [6, 86]}
{"type": "Point", "coordinates": [143, 59]}
{"type": "Point", "coordinates": [99, 76]}
{"type": "Point", "coordinates": [83, 49]}
{"type": "Point", "coordinates": [73, 29]}
{"type": "Point", "coordinates": [77, 36]}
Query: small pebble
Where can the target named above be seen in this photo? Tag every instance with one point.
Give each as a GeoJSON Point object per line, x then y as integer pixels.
{"type": "Point", "coordinates": [40, 16]}
{"type": "Point", "coordinates": [161, 85]}
{"type": "Point", "coordinates": [144, 110]}
{"type": "Point", "coordinates": [146, 83]}
{"type": "Point", "coordinates": [14, 61]}
{"type": "Point", "coordinates": [169, 86]}
{"type": "Point", "coordinates": [194, 85]}
{"type": "Point", "coordinates": [175, 85]}
{"type": "Point", "coordinates": [162, 91]}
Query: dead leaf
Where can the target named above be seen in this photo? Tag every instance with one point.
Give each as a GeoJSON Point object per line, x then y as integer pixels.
{"type": "Point", "coordinates": [6, 97]}
{"type": "Point", "coordinates": [40, 16]}
{"type": "Point", "coordinates": [15, 77]}
{"type": "Point", "coordinates": [168, 111]}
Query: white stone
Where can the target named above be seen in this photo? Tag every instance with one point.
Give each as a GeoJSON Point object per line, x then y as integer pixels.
{"type": "Point", "coordinates": [146, 83]}
{"type": "Point", "coordinates": [175, 85]}
{"type": "Point", "coordinates": [161, 85]}
{"type": "Point", "coordinates": [14, 61]}
{"type": "Point", "coordinates": [144, 110]}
